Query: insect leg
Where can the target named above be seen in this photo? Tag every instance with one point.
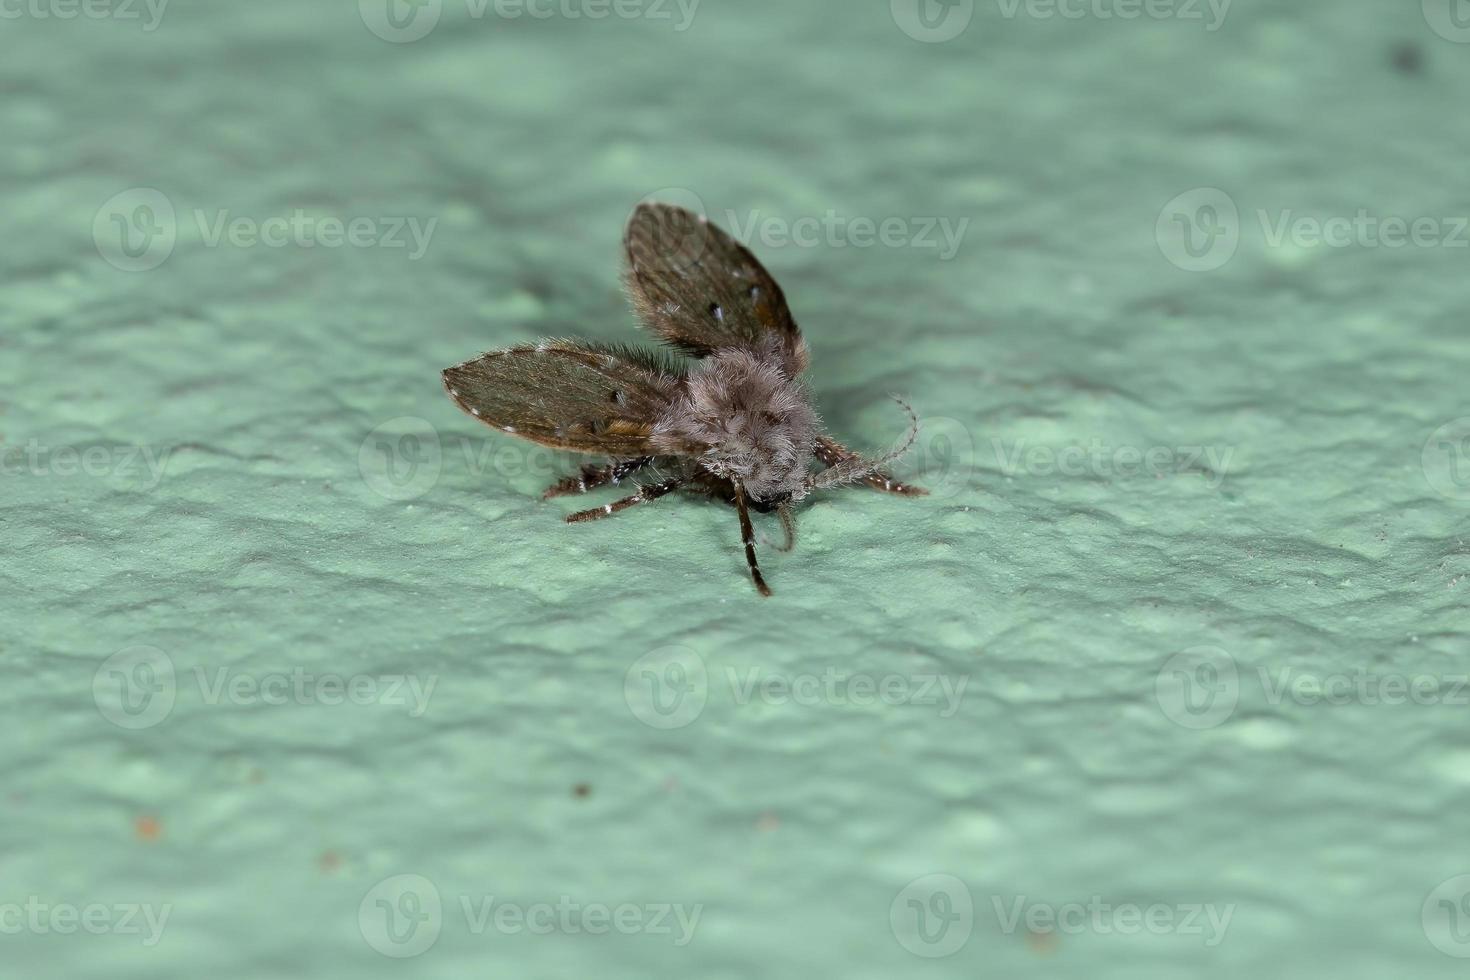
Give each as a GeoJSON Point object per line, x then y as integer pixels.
{"type": "Point", "coordinates": [651, 492]}
{"type": "Point", "coordinates": [830, 452]}
{"type": "Point", "coordinates": [593, 477]}
{"type": "Point", "coordinates": [747, 534]}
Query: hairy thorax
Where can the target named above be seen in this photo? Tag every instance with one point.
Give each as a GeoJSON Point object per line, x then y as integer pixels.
{"type": "Point", "coordinates": [756, 422]}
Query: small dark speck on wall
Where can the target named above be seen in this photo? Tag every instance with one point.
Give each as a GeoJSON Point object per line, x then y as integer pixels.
{"type": "Point", "coordinates": [1408, 58]}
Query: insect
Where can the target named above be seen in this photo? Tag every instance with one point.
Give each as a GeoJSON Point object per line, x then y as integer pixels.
{"type": "Point", "coordinates": [729, 419]}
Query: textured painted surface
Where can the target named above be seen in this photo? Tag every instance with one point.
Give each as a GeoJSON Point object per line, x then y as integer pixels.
{"type": "Point", "coordinates": [1238, 465]}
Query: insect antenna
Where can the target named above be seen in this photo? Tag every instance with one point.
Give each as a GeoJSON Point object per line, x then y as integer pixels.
{"type": "Point", "coordinates": [860, 466]}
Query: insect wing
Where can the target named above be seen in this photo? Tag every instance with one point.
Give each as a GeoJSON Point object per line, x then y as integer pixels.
{"type": "Point", "coordinates": [567, 395]}
{"type": "Point", "coordinates": [700, 290]}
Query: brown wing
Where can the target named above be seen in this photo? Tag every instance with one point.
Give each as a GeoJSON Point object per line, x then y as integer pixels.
{"type": "Point", "coordinates": [701, 290]}
{"type": "Point", "coordinates": [569, 395]}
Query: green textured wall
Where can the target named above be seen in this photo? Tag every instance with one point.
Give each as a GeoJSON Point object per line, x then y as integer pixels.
{"type": "Point", "coordinates": [1165, 679]}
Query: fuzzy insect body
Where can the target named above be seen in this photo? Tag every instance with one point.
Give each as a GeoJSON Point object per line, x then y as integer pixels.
{"type": "Point", "coordinates": [731, 419]}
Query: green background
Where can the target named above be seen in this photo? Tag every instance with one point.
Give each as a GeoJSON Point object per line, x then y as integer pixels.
{"type": "Point", "coordinates": [1123, 629]}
